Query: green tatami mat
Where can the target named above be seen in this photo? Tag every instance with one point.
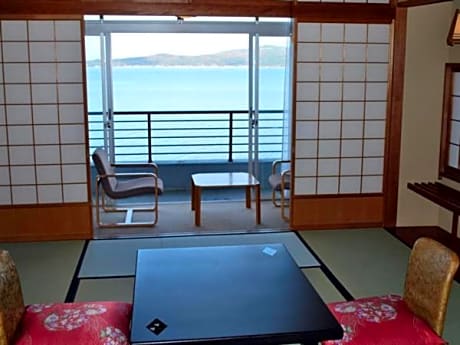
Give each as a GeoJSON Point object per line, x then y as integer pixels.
{"type": "Point", "coordinates": [45, 268]}
{"type": "Point", "coordinates": [367, 262]}
{"type": "Point", "coordinates": [116, 289]}
{"type": "Point", "coordinates": [451, 325]}
{"type": "Point", "coordinates": [322, 285]}
{"type": "Point", "coordinates": [371, 262]}
{"type": "Point", "coordinates": [117, 258]}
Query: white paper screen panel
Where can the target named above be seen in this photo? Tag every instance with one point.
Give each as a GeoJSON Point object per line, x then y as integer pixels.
{"type": "Point", "coordinates": [42, 121]}
{"type": "Point", "coordinates": [341, 102]}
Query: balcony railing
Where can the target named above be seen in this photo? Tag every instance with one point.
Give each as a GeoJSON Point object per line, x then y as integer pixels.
{"type": "Point", "coordinates": [187, 136]}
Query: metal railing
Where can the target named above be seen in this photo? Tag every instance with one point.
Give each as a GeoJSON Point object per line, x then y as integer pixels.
{"type": "Point", "coordinates": [187, 136]}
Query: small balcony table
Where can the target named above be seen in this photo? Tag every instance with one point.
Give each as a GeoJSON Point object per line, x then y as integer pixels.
{"type": "Point", "coordinates": [224, 180]}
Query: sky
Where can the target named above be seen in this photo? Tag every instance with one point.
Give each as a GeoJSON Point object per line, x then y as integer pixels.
{"type": "Point", "coordinates": [145, 44]}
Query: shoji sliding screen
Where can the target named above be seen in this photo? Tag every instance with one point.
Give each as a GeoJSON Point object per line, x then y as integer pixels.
{"type": "Point", "coordinates": [341, 106]}
{"type": "Point", "coordinates": [43, 162]}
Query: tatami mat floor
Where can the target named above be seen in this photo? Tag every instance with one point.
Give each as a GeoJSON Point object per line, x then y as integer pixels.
{"type": "Point", "coordinates": [365, 261]}
{"type": "Point", "coordinates": [372, 262]}
{"type": "Point", "coordinates": [46, 269]}
{"type": "Point", "coordinates": [117, 258]}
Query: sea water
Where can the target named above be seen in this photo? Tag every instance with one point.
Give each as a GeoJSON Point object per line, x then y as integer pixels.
{"type": "Point", "coordinates": [161, 88]}
{"type": "Point", "coordinates": [158, 88]}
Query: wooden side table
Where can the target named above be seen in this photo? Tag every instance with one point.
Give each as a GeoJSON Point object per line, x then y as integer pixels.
{"type": "Point", "coordinates": [224, 180]}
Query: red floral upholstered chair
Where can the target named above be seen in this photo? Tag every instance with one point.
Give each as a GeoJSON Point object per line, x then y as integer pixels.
{"type": "Point", "coordinates": [104, 323]}
{"type": "Point", "coordinates": [417, 317]}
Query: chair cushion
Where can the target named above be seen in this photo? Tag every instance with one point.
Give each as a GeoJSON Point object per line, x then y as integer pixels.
{"type": "Point", "coordinates": [137, 186]}
{"type": "Point", "coordinates": [92, 323]}
{"type": "Point", "coordinates": [103, 167]}
{"type": "Point", "coordinates": [383, 320]}
{"type": "Point", "coordinates": [275, 182]}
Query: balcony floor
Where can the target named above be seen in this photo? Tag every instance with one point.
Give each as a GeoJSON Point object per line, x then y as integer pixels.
{"type": "Point", "coordinates": [222, 212]}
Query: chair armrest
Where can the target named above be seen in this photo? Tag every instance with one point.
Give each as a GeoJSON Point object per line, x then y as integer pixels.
{"type": "Point", "coordinates": [277, 163]}
{"type": "Point", "coordinates": [152, 165]}
{"type": "Point", "coordinates": [100, 177]}
{"type": "Point", "coordinates": [285, 178]}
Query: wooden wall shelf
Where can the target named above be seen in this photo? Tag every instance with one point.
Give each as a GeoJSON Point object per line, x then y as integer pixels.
{"type": "Point", "coordinates": [442, 195]}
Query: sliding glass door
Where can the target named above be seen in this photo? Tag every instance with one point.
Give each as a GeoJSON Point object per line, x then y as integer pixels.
{"type": "Point", "coordinates": [99, 92]}
{"type": "Point", "coordinates": [269, 98]}
{"type": "Point", "coordinates": [183, 91]}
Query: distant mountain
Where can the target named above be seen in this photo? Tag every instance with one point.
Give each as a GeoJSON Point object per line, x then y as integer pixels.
{"type": "Point", "coordinates": [269, 56]}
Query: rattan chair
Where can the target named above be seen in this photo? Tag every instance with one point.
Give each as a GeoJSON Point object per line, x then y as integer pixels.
{"type": "Point", "coordinates": [118, 186]}
{"type": "Point", "coordinates": [280, 182]}
{"type": "Point", "coordinates": [417, 317]}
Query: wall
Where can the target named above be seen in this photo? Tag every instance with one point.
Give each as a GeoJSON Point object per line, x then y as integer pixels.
{"type": "Point", "coordinates": [352, 15]}
{"type": "Point", "coordinates": [426, 54]}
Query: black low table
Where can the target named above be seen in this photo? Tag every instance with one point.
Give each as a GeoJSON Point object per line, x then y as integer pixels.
{"type": "Point", "coordinates": [251, 294]}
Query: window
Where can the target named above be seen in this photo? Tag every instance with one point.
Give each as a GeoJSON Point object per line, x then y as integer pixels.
{"type": "Point", "coordinates": [449, 165]}
{"type": "Point", "coordinates": [187, 91]}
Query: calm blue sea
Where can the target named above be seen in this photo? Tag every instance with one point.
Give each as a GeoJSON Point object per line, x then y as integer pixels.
{"type": "Point", "coordinates": [186, 88]}
{"type": "Point", "coordinates": [153, 88]}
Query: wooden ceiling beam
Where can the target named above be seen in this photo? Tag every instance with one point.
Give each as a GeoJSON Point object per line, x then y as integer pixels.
{"type": "Point", "coordinates": [268, 8]}
{"type": "Point", "coordinates": [197, 8]}
{"type": "Point", "coordinates": [344, 12]}
{"type": "Point", "coordinates": [31, 7]}
{"type": "Point", "coordinates": [303, 11]}
{"type": "Point", "coordinates": [412, 3]}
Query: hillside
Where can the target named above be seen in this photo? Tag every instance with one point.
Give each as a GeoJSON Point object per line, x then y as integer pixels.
{"type": "Point", "coordinates": [269, 56]}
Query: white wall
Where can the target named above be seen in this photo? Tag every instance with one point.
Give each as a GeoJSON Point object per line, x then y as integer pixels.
{"type": "Point", "coordinates": [426, 55]}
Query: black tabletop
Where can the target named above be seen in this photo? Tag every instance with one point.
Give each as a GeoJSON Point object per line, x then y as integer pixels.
{"type": "Point", "coordinates": [226, 295]}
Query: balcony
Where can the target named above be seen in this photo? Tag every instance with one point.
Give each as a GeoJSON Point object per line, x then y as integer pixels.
{"type": "Point", "coordinates": [187, 142]}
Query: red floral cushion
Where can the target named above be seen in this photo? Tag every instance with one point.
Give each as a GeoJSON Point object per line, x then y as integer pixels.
{"type": "Point", "coordinates": [92, 323]}
{"type": "Point", "coordinates": [384, 320]}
